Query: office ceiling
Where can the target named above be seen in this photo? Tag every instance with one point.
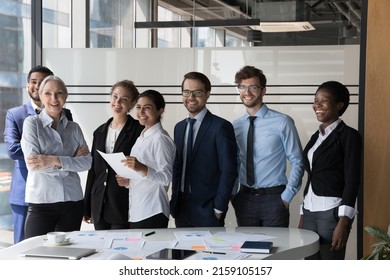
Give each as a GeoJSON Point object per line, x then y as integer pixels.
{"type": "Point", "coordinates": [335, 21]}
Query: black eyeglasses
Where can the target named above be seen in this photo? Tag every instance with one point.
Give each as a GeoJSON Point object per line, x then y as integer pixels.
{"type": "Point", "coordinates": [252, 88]}
{"type": "Point", "coordinates": [196, 93]}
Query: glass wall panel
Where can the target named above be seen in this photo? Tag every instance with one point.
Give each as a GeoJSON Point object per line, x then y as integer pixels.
{"type": "Point", "coordinates": [56, 25]}
{"type": "Point", "coordinates": [168, 37]}
{"type": "Point", "coordinates": [15, 62]}
{"type": "Point", "coordinates": [111, 24]}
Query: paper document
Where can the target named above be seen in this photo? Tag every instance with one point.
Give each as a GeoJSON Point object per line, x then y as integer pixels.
{"type": "Point", "coordinates": [114, 160]}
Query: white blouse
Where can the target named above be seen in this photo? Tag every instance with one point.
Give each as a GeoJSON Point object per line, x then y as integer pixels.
{"type": "Point", "coordinates": [112, 136]}
{"type": "Point", "coordinates": [149, 196]}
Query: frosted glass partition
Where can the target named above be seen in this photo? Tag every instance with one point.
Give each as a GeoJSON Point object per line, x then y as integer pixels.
{"type": "Point", "coordinates": [293, 75]}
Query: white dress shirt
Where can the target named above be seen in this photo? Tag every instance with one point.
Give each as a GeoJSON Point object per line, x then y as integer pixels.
{"type": "Point", "coordinates": [149, 196]}
{"type": "Point", "coordinates": [54, 184]}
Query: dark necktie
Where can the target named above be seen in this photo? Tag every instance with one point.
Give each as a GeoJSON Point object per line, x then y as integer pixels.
{"type": "Point", "coordinates": [189, 155]}
{"type": "Point", "coordinates": [250, 173]}
{"type": "Point", "coordinates": [38, 111]}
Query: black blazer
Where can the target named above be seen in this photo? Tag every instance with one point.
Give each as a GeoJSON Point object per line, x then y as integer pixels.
{"type": "Point", "coordinates": [102, 191]}
{"type": "Point", "coordinates": [68, 114]}
{"type": "Point", "coordinates": [336, 164]}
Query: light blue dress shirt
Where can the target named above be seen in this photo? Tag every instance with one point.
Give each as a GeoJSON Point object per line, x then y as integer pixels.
{"type": "Point", "coordinates": [54, 184]}
{"type": "Point", "coordinates": [276, 140]}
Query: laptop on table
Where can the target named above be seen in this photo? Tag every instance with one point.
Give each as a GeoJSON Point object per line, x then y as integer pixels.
{"type": "Point", "coordinates": [70, 253]}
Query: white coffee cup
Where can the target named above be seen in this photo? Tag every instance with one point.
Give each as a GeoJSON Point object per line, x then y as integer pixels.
{"type": "Point", "coordinates": [56, 237]}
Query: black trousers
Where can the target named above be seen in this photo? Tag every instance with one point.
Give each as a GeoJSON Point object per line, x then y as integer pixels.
{"type": "Point", "coordinates": [156, 221]}
{"type": "Point", "coordinates": [103, 225]}
{"type": "Point", "coordinates": [59, 216]}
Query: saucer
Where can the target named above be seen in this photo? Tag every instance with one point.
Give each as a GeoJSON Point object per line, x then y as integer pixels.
{"type": "Point", "coordinates": [66, 242]}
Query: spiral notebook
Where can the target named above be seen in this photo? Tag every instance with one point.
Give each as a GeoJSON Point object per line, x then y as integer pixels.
{"type": "Point", "coordinates": [69, 253]}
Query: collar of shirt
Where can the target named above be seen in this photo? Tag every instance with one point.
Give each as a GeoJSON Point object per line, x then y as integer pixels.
{"type": "Point", "coordinates": [35, 107]}
{"type": "Point", "coordinates": [260, 113]}
{"type": "Point", "coordinates": [328, 129]}
{"type": "Point", "coordinates": [148, 132]}
{"type": "Point", "coordinates": [47, 120]}
{"type": "Point", "coordinates": [200, 116]}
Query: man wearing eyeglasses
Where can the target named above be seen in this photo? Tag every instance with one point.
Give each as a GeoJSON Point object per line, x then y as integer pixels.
{"type": "Point", "coordinates": [204, 172]}
{"type": "Point", "coordinates": [266, 140]}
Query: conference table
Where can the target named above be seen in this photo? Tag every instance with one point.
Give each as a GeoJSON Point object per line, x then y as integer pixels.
{"type": "Point", "coordinates": [288, 243]}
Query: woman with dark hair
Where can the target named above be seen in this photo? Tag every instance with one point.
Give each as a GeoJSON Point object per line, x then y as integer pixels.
{"type": "Point", "coordinates": [152, 157]}
{"type": "Point", "coordinates": [332, 160]}
{"type": "Point", "coordinates": [105, 204]}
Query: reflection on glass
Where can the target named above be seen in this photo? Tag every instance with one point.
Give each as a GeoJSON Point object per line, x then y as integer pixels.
{"type": "Point", "coordinates": [56, 25]}
{"type": "Point", "coordinates": [111, 23]}
{"type": "Point", "coordinates": [15, 59]}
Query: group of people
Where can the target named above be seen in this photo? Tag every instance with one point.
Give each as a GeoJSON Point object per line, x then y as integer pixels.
{"type": "Point", "coordinates": [209, 162]}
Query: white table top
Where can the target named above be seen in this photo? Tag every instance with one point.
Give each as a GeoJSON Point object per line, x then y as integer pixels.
{"type": "Point", "coordinates": [288, 243]}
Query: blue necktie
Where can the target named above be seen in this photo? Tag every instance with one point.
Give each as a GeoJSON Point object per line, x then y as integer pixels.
{"type": "Point", "coordinates": [189, 155]}
{"type": "Point", "coordinates": [250, 170]}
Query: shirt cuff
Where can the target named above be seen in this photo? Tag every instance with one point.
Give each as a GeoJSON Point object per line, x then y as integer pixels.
{"type": "Point", "coordinates": [345, 210]}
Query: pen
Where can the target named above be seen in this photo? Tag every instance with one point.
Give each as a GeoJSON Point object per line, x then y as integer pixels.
{"type": "Point", "coordinates": [150, 233]}
{"type": "Point", "coordinates": [216, 253]}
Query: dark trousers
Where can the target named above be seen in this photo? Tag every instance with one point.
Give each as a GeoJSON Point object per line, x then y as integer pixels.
{"type": "Point", "coordinates": [156, 221]}
{"type": "Point", "coordinates": [103, 225]}
{"type": "Point", "coordinates": [263, 210]}
{"type": "Point", "coordinates": [181, 220]}
{"type": "Point", "coordinates": [19, 214]}
{"type": "Point", "coordinates": [323, 223]}
{"type": "Point", "coordinates": [190, 214]}
{"type": "Point", "coordinates": [59, 216]}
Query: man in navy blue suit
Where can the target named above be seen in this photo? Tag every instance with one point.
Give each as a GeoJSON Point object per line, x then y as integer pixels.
{"type": "Point", "coordinates": [12, 136]}
{"type": "Point", "coordinates": [204, 172]}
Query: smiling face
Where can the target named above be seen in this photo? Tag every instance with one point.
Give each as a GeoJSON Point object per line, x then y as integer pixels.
{"type": "Point", "coordinates": [53, 97]}
{"type": "Point", "coordinates": [147, 113]}
{"type": "Point", "coordinates": [326, 108]}
{"type": "Point", "coordinates": [252, 99]}
{"type": "Point", "coordinates": [121, 101]}
{"type": "Point", "coordinates": [195, 104]}
{"type": "Point", "coordinates": [34, 82]}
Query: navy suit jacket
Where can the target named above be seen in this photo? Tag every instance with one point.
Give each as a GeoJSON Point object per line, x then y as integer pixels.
{"type": "Point", "coordinates": [102, 191]}
{"type": "Point", "coordinates": [12, 136]}
{"type": "Point", "coordinates": [213, 169]}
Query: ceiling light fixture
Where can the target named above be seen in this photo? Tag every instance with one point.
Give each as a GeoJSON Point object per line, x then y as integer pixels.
{"type": "Point", "coordinates": [296, 26]}
{"type": "Point", "coordinates": [197, 23]}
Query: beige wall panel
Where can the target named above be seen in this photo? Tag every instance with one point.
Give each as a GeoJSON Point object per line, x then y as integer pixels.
{"type": "Point", "coordinates": [377, 116]}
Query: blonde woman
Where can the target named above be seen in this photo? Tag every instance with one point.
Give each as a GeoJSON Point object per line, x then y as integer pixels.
{"type": "Point", "coordinates": [55, 150]}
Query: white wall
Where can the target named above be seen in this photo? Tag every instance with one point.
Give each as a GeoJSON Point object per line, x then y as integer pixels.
{"type": "Point", "coordinates": [291, 72]}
